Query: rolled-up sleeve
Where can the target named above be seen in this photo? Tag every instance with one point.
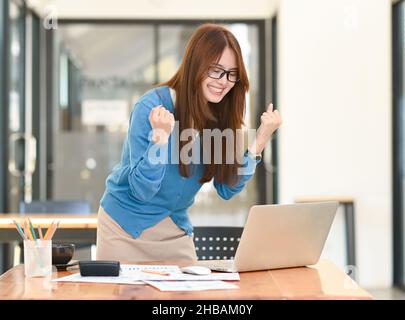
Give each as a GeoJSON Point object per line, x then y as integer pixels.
{"type": "Point", "coordinates": [245, 173]}
{"type": "Point", "coordinates": [146, 168]}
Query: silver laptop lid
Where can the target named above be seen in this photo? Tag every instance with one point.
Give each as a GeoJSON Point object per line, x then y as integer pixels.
{"type": "Point", "coordinates": [283, 236]}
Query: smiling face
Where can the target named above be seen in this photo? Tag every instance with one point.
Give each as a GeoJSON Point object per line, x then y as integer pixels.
{"type": "Point", "coordinates": [214, 90]}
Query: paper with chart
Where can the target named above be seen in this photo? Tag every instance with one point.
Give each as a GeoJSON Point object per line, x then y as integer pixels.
{"type": "Point", "coordinates": [135, 274]}
{"type": "Point", "coordinates": [191, 285]}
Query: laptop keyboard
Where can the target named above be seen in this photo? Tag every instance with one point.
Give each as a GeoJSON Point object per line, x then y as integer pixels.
{"type": "Point", "coordinates": [217, 264]}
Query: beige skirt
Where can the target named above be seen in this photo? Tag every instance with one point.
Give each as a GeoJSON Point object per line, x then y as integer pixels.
{"type": "Point", "coordinates": [163, 242]}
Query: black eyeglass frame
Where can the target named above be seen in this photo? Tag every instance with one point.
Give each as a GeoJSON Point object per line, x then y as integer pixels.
{"type": "Point", "coordinates": [227, 72]}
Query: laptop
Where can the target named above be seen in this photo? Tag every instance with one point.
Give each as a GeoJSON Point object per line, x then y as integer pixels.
{"type": "Point", "coordinates": [280, 236]}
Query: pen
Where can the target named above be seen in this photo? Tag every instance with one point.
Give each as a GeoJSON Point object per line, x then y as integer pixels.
{"type": "Point", "coordinates": [161, 273]}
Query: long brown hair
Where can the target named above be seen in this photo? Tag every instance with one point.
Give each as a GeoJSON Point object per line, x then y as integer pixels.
{"type": "Point", "coordinates": [192, 110]}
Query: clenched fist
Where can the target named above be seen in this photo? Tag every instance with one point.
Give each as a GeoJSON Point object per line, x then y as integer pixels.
{"type": "Point", "coordinates": [162, 122]}
{"type": "Point", "coordinates": [270, 122]}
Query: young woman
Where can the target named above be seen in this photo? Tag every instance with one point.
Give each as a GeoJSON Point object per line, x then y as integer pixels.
{"type": "Point", "coordinates": [143, 212]}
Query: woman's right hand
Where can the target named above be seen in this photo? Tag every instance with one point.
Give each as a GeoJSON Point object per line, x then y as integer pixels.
{"type": "Point", "coordinates": [162, 122]}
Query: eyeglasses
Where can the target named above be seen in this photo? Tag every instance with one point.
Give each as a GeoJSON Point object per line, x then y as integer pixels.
{"type": "Point", "coordinates": [218, 72]}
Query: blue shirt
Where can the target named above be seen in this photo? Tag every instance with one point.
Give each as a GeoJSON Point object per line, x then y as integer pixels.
{"type": "Point", "coordinates": [141, 191]}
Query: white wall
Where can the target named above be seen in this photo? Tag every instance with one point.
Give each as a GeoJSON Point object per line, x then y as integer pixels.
{"type": "Point", "coordinates": [335, 99]}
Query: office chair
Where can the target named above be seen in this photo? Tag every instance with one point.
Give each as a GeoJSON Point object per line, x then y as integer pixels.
{"type": "Point", "coordinates": [66, 207]}
{"type": "Point", "coordinates": [216, 243]}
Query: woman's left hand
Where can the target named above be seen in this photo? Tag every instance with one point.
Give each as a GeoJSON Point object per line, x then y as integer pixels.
{"type": "Point", "coordinates": [270, 122]}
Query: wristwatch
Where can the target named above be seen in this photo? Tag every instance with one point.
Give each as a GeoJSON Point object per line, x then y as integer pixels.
{"type": "Point", "coordinates": [253, 156]}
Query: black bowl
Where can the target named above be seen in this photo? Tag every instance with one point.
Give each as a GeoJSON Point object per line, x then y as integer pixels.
{"type": "Point", "coordinates": [62, 253]}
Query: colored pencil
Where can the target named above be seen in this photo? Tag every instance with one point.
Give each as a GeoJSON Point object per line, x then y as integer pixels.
{"type": "Point", "coordinates": [40, 232]}
{"type": "Point", "coordinates": [54, 230]}
{"type": "Point", "coordinates": [27, 230]}
{"type": "Point", "coordinates": [32, 229]}
{"type": "Point", "coordinates": [48, 231]}
{"type": "Point", "coordinates": [20, 231]}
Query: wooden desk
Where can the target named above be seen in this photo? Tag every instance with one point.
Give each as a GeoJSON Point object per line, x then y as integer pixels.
{"type": "Point", "coordinates": [322, 281]}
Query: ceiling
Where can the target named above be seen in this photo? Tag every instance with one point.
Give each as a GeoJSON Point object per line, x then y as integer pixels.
{"type": "Point", "coordinates": [158, 9]}
{"type": "Point", "coordinates": [102, 50]}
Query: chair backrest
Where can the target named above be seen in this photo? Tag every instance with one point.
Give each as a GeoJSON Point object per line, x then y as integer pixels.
{"type": "Point", "coordinates": [72, 207]}
{"type": "Point", "coordinates": [216, 243]}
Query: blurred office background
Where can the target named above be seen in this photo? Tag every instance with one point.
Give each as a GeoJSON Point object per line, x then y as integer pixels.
{"type": "Point", "coordinates": [72, 70]}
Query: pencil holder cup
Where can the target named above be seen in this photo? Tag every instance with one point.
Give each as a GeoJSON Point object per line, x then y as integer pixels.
{"type": "Point", "coordinates": [37, 258]}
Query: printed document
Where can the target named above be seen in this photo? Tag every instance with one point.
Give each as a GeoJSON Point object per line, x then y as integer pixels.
{"type": "Point", "coordinates": [137, 274]}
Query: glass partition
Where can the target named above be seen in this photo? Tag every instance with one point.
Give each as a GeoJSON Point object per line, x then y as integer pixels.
{"type": "Point", "coordinates": [103, 70]}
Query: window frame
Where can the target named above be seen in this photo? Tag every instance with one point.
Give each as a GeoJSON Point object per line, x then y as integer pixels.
{"type": "Point", "coordinates": [398, 51]}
